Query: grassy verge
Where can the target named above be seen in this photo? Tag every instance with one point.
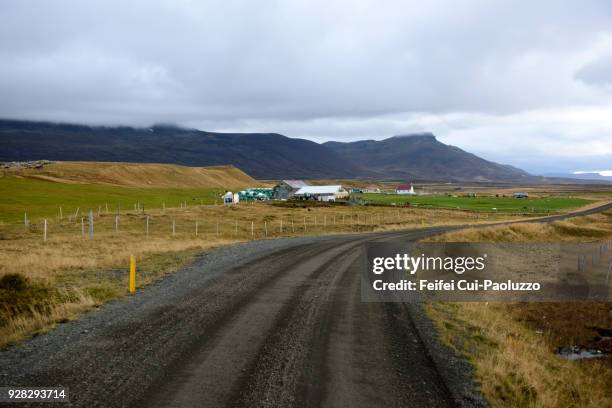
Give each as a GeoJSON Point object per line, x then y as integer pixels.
{"type": "Point", "coordinates": [545, 204]}
{"type": "Point", "coordinates": [512, 345]}
{"type": "Point", "coordinates": [32, 306]}
{"type": "Point", "coordinates": [514, 364]}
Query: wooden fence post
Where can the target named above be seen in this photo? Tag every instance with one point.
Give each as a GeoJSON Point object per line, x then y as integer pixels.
{"type": "Point", "coordinates": [82, 227]}
{"type": "Point", "coordinates": [252, 229]}
{"type": "Point", "coordinates": [116, 223]}
{"type": "Point", "coordinates": [173, 227]}
{"type": "Point", "coordinates": [196, 228]}
{"type": "Point", "coordinates": [266, 227]}
{"type": "Point", "coordinates": [45, 233]}
{"type": "Point", "coordinates": [91, 224]}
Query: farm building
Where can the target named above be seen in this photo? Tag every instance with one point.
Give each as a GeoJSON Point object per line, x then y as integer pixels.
{"type": "Point", "coordinates": [228, 198]}
{"type": "Point", "coordinates": [256, 194]}
{"type": "Point", "coordinates": [371, 189]}
{"type": "Point", "coordinates": [405, 189]}
{"type": "Point", "coordinates": [286, 188]}
{"type": "Point", "coordinates": [520, 194]}
{"type": "Point", "coordinates": [321, 193]}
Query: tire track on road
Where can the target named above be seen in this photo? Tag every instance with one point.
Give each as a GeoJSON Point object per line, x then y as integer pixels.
{"type": "Point", "coordinates": [210, 375]}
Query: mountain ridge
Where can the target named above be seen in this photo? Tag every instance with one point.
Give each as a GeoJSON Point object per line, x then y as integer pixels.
{"type": "Point", "coordinates": [421, 154]}
{"type": "Point", "coordinates": [417, 156]}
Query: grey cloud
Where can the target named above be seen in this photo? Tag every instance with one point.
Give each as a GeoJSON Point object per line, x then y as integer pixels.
{"type": "Point", "coordinates": [598, 72]}
{"type": "Point", "coordinates": [318, 69]}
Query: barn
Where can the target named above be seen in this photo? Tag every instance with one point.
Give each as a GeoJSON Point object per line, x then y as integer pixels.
{"type": "Point", "coordinates": [321, 193]}
{"type": "Point", "coordinates": [286, 188]}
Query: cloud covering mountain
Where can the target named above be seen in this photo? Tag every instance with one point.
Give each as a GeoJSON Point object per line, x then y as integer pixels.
{"type": "Point", "coordinates": [528, 82]}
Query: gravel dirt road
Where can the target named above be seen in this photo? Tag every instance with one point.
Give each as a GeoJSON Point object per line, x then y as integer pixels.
{"type": "Point", "coordinates": [275, 323]}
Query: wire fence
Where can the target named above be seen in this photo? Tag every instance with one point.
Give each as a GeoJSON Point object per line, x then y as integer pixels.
{"type": "Point", "coordinates": [223, 222]}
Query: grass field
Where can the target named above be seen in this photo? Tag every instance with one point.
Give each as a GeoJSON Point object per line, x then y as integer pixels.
{"type": "Point", "coordinates": [109, 187]}
{"type": "Point", "coordinates": [489, 204]}
{"type": "Point", "coordinates": [512, 345]}
{"type": "Point", "coordinates": [43, 199]}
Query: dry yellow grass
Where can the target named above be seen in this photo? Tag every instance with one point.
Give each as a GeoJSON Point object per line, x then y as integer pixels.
{"type": "Point", "coordinates": [141, 175]}
{"type": "Point", "coordinates": [588, 228]}
{"type": "Point", "coordinates": [97, 268]}
{"type": "Point", "coordinates": [36, 321]}
{"type": "Point", "coordinates": [514, 364]}
{"type": "Point", "coordinates": [22, 249]}
{"type": "Point", "coordinates": [512, 345]}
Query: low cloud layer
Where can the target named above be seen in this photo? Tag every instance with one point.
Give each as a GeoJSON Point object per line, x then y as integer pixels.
{"type": "Point", "coordinates": [524, 83]}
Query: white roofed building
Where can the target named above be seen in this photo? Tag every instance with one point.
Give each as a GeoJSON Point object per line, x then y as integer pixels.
{"type": "Point", "coordinates": [321, 193]}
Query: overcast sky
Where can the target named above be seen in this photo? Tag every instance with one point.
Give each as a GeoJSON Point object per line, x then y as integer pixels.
{"type": "Point", "coordinates": [528, 83]}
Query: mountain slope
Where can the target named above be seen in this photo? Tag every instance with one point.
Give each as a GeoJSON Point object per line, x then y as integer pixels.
{"type": "Point", "coordinates": [139, 175]}
{"type": "Point", "coordinates": [261, 155]}
{"type": "Point", "coordinates": [423, 157]}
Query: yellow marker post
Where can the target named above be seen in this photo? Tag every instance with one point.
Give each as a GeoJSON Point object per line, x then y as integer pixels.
{"type": "Point", "coordinates": [132, 274]}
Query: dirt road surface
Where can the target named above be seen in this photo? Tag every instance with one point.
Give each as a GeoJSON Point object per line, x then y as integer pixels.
{"type": "Point", "coordinates": [275, 323]}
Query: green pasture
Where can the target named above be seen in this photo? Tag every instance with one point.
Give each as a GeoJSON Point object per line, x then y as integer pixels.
{"type": "Point", "coordinates": [42, 199]}
{"type": "Point", "coordinates": [500, 204]}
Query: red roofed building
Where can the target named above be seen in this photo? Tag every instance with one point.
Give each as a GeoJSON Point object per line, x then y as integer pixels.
{"type": "Point", "coordinates": [404, 189]}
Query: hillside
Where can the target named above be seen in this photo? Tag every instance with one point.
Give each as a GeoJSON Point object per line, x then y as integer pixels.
{"type": "Point", "coordinates": [422, 156]}
{"type": "Point", "coordinates": [261, 155]}
{"type": "Point", "coordinates": [140, 175]}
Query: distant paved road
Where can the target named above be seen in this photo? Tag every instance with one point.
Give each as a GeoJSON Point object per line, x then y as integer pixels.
{"type": "Point", "coordinates": [266, 323]}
